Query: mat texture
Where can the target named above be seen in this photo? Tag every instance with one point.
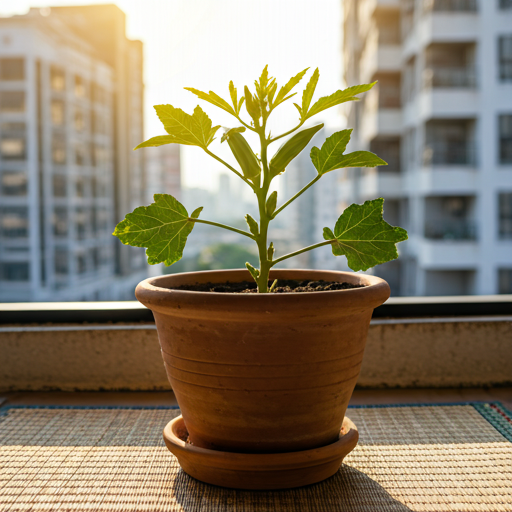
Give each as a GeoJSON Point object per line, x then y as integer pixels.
{"type": "Point", "coordinates": [421, 458]}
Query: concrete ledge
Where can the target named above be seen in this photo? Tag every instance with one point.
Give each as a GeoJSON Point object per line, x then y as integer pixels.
{"type": "Point", "coordinates": [409, 353]}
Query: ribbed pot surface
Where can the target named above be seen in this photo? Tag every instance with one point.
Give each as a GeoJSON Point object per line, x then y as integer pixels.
{"type": "Point", "coordinates": [262, 372]}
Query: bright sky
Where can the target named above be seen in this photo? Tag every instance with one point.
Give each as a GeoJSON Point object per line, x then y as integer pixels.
{"type": "Point", "coordinates": [204, 44]}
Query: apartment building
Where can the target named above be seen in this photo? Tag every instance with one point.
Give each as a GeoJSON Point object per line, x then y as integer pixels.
{"type": "Point", "coordinates": [70, 114]}
{"type": "Point", "coordinates": [441, 116]}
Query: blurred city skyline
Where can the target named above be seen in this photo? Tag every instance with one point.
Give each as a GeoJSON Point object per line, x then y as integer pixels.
{"type": "Point", "coordinates": [193, 43]}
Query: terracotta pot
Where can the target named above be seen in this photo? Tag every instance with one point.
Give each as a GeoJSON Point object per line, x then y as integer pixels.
{"type": "Point", "coordinates": [262, 373]}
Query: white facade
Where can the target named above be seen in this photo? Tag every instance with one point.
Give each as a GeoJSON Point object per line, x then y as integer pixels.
{"type": "Point", "coordinates": [441, 116]}
{"type": "Point", "coordinates": [57, 166]}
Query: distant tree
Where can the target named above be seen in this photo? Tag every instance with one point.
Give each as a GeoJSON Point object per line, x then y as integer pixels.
{"type": "Point", "coordinates": [220, 256]}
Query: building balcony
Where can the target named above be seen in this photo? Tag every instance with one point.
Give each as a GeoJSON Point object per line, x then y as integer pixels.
{"type": "Point", "coordinates": [449, 78]}
{"type": "Point", "coordinates": [447, 154]}
{"type": "Point", "coordinates": [451, 230]}
{"type": "Point", "coordinates": [450, 6]}
{"type": "Point", "coordinates": [442, 179]}
{"type": "Point", "coordinates": [446, 102]}
{"type": "Point", "coordinates": [444, 254]}
{"type": "Point", "coordinates": [381, 58]}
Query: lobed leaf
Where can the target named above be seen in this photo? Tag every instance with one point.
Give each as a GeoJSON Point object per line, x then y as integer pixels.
{"type": "Point", "coordinates": [213, 98]}
{"type": "Point", "coordinates": [331, 157]}
{"type": "Point", "coordinates": [364, 237]}
{"type": "Point", "coordinates": [337, 98]}
{"type": "Point", "coordinates": [283, 92]}
{"type": "Point", "coordinates": [252, 106]}
{"type": "Point", "coordinates": [159, 140]}
{"type": "Point", "coordinates": [234, 96]}
{"type": "Point", "coordinates": [192, 130]}
{"type": "Point", "coordinates": [307, 95]}
{"type": "Point", "coordinates": [162, 227]}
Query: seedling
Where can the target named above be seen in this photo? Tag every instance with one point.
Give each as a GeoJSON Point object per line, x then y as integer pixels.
{"type": "Point", "coordinates": [360, 233]}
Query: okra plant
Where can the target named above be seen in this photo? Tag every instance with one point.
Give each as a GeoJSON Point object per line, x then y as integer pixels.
{"type": "Point", "coordinates": [360, 233]}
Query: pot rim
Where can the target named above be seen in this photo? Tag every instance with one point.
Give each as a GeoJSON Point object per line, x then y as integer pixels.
{"type": "Point", "coordinates": [156, 294]}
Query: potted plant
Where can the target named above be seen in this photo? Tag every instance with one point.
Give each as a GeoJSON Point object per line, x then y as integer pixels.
{"type": "Point", "coordinates": [263, 379]}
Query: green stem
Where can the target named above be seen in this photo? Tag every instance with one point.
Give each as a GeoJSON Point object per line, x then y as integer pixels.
{"type": "Point", "coordinates": [239, 231]}
{"type": "Point", "coordinates": [309, 248]}
{"type": "Point", "coordinates": [287, 133]}
{"type": "Point", "coordinates": [240, 175]}
{"type": "Point", "coordinates": [300, 192]}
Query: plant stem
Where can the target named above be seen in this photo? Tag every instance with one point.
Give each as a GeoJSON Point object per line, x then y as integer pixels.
{"type": "Point", "coordinates": [239, 231]}
{"type": "Point", "coordinates": [300, 192]}
{"type": "Point", "coordinates": [309, 248]}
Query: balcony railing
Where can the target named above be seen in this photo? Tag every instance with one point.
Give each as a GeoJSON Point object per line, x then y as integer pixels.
{"type": "Point", "coordinates": [449, 77]}
{"type": "Point", "coordinates": [449, 153]}
{"type": "Point", "coordinates": [450, 5]}
{"type": "Point", "coordinates": [451, 230]}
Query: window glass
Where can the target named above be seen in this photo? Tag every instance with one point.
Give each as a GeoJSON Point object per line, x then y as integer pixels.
{"type": "Point", "coordinates": [12, 101]}
{"type": "Point", "coordinates": [79, 120]}
{"type": "Point", "coordinates": [505, 280]}
{"type": "Point", "coordinates": [14, 271]}
{"type": "Point", "coordinates": [79, 87]}
{"type": "Point", "coordinates": [12, 148]}
{"type": "Point", "coordinates": [59, 185]}
{"type": "Point", "coordinates": [14, 183]}
{"type": "Point", "coordinates": [505, 215]}
{"type": "Point", "coordinates": [12, 69]}
{"type": "Point", "coordinates": [60, 221]}
{"type": "Point", "coordinates": [81, 263]}
{"type": "Point", "coordinates": [57, 78]}
{"type": "Point", "coordinates": [61, 263]}
{"type": "Point", "coordinates": [57, 112]}
{"type": "Point", "coordinates": [505, 4]}
{"type": "Point", "coordinates": [505, 142]}
{"type": "Point", "coordinates": [58, 149]}
{"type": "Point", "coordinates": [505, 58]}
{"type": "Point", "coordinates": [14, 222]}
{"type": "Point", "coordinates": [80, 154]}
{"type": "Point", "coordinates": [81, 222]}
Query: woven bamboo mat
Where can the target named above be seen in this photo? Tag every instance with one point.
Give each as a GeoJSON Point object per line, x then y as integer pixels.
{"type": "Point", "coordinates": [420, 458]}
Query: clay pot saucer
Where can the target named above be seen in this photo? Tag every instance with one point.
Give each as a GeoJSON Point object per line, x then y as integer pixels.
{"type": "Point", "coordinates": [259, 470]}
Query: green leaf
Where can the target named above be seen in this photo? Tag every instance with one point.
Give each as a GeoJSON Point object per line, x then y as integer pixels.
{"type": "Point", "coordinates": [255, 273]}
{"type": "Point", "coordinates": [364, 237]}
{"type": "Point", "coordinates": [291, 148]}
{"type": "Point", "coordinates": [162, 227]}
{"type": "Point", "coordinates": [234, 96]}
{"type": "Point", "coordinates": [230, 131]}
{"type": "Point", "coordinates": [337, 98]}
{"type": "Point", "coordinates": [252, 106]}
{"type": "Point", "coordinates": [253, 225]}
{"type": "Point", "coordinates": [283, 92]}
{"type": "Point", "coordinates": [192, 130]}
{"type": "Point", "coordinates": [159, 140]}
{"type": "Point", "coordinates": [307, 95]}
{"type": "Point", "coordinates": [214, 99]}
{"type": "Point", "coordinates": [331, 156]}
{"type": "Point", "coordinates": [271, 203]}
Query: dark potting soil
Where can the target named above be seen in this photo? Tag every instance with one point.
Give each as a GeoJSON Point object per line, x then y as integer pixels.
{"type": "Point", "coordinates": [282, 286]}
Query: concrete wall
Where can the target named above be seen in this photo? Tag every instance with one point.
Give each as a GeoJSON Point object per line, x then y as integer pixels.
{"type": "Point", "coordinates": [399, 353]}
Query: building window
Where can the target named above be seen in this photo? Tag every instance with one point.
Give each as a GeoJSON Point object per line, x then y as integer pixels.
{"type": "Point", "coordinates": [12, 69]}
{"type": "Point", "coordinates": [79, 120]}
{"type": "Point", "coordinates": [61, 263]}
{"type": "Point", "coordinates": [81, 222]}
{"type": "Point", "coordinates": [81, 186]}
{"type": "Point", "coordinates": [505, 280]}
{"type": "Point", "coordinates": [81, 263]}
{"type": "Point", "coordinates": [505, 215]}
{"type": "Point", "coordinates": [79, 155]}
{"type": "Point", "coordinates": [59, 185]}
{"type": "Point", "coordinates": [505, 134]}
{"type": "Point", "coordinates": [12, 148]}
{"type": "Point", "coordinates": [12, 101]}
{"type": "Point", "coordinates": [60, 221]}
{"type": "Point", "coordinates": [505, 58]}
{"type": "Point", "coordinates": [79, 87]}
{"type": "Point", "coordinates": [14, 183]}
{"type": "Point", "coordinates": [58, 150]}
{"type": "Point", "coordinates": [14, 271]}
{"type": "Point", "coordinates": [57, 112]}
{"type": "Point", "coordinates": [505, 4]}
{"type": "Point", "coordinates": [57, 79]}
{"type": "Point", "coordinates": [14, 222]}
{"type": "Point", "coordinates": [450, 5]}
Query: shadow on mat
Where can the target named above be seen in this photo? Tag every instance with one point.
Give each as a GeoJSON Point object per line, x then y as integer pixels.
{"type": "Point", "coordinates": [348, 490]}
